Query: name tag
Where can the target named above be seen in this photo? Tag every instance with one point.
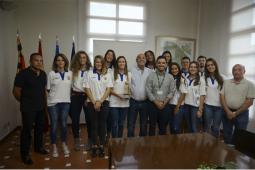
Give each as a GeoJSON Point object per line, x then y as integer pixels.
{"type": "Point", "coordinates": [159, 92]}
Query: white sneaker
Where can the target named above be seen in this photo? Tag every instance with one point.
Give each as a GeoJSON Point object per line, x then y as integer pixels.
{"type": "Point", "coordinates": [65, 149]}
{"type": "Point", "coordinates": [55, 152]}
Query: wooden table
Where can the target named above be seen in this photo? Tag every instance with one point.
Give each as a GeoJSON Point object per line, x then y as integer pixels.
{"type": "Point", "coordinates": [174, 151]}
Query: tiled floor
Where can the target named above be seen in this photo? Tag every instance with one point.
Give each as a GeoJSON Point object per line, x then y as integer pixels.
{"type": "Point", "coordinates": [10, 157]}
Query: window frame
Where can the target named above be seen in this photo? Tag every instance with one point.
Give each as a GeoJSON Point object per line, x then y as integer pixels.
{"type": "Point", "coordinates": [116, 36]}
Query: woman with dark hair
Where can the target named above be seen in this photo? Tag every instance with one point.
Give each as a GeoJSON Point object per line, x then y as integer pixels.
{"type": "Point", "coordinates": [213, 109]}
{"type": "Point", "coordinates": [110, 58]}
{"type": "Point", "coordinates": [176, 110]}
{"type": "Point", "coordinates": [193, 94]}
{"type": "Point", "coordinates": [79, 66]}
{"type": "Point", "coordinates": [168, 57]}
{"type": "Point", "coordinates": [150, 59]}
{"type": "Point", "coordinates": [119, 99]}
{"type": "Point", "coordinates": [98, 85]}
{"type": "Point", "coordinates": [59, 92]}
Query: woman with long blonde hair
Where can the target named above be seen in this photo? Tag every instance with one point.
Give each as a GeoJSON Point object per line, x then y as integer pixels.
{"type": "Point", "coordinates": [98, 85]}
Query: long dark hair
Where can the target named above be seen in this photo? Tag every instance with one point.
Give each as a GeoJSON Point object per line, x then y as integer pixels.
{"type": "Point", "coordinates": [113, 58]}
{"type": "Point", "coordinates": [54, 64]}
{"type": "Point", "coordinates": [216, 73]}
{"type": "Point", "coordinates": [116, 68]}
{"type": "Point", "coordinates": [197, 79]}
{"type": "Point", "coordinates": [153, 56]}
{"type": "Point", "coordinates": [178, 76]}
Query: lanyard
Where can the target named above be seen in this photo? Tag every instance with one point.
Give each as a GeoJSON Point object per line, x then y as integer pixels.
{"type": "Point", "coordinates": [82, 73]}
{"type": "Point", "coordinates": [121, 77]}
{"type": "Point", "coordinates": [160, 83]}
{"type": "Point", "coordinates": [62, 75]}
{"type": "Point", "coordinates": [190, 82]}
{"type": "Point", "coordinates": [212, 80]}
{"type": "Point", "coordinates": [95, 72]}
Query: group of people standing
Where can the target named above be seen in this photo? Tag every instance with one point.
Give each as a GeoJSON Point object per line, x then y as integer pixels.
{"type": "Point", "coordinates": [161, 91]}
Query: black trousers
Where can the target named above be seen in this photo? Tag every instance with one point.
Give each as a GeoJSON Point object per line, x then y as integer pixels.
{"type": "Point", "coordinates": [98, 123]}
{"type": "Point", "coordinates": [77, 103]}
{"type": "Point", "coordinates": [34, 119]}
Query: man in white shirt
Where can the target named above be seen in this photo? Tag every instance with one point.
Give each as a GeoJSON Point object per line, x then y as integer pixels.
{"type": "Point", "coordinates": [138, 101]}
{"type": "Point", "coordinates": [237, 96]}
{"type": "Point", "coordinates": [185, 61]}
{"type": "Point", "coordinates": [201, 62]}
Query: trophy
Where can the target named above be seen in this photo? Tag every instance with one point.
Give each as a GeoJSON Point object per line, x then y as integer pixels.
{"type": "Point", "coordinates": [127, 91]}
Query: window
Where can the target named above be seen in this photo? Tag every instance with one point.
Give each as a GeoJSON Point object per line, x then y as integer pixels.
{"type": "Point", "coordinates": [242, 36]}
{"type": "Point", "coordinates": [115, 21]}
{"type": "Point", "coordinates": [242, 39]}
{"type": "Point", "coordinates": [108, 18]}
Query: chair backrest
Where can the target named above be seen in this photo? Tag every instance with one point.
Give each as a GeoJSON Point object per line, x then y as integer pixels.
{"type": "Point", "coordinates": [244, 142]}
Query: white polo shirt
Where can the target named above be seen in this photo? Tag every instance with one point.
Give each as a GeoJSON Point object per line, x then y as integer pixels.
{"type": "Point", "coordinates": [78, 81]}
{"type": "Point", "coordinates": [177, 93]}
{"type": "Point", "coordinates": [119, 88]}
{"type": "Point", "coordinates": [59, 87]}
{"type": "Point", "coordinates": [138, 81]}
{"type": "Point", "coordinates": [212, 92]}
{"type": "Point", "coordinates": [193, 93]}
{"type": "Point", "coordinates": [97, 83]}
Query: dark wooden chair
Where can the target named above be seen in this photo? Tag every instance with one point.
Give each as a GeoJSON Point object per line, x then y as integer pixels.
{"type": "Point", "coordinates": [244, 142]}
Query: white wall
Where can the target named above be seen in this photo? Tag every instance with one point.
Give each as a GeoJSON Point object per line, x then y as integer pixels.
{"type": "Point", "coordinates": [9, 107]}
{"type": "Point", "coordinates": [171, 17]}
{"type": "Point", "coordinates": [214, 30]}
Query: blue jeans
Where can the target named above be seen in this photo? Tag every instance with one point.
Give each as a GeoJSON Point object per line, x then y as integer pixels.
{"type": "Point", "coordinates": [239, 122]}
{"type": "Point", "coordinates": [162, 116]}
{"type": "Point", "coordinates": [190, 113]}
{"type": "Point", "coordinates": [142, 108]}
{"type": "Point", "coordinates": [59, 110]}
{"type": "Point", "coordinates": [213, 118]}
{"type": "Point", "coordinates": [176, 119]}
{"type": "Point", "coordinates": [118, 115]}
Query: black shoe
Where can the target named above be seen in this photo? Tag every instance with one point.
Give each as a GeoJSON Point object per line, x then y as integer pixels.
{"type": "Point", "coordinates": [101, 152]}
{"type": "Point", "coordinates": [27, 160]}
{"type": "Point", "coordinates": [94, 152]}
{"type": "Point", "coordinates": [42, 151]}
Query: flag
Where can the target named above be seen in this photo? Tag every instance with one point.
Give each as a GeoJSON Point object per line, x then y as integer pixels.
{"type": "Point", "coordinates": [73, 49]}
{"type": "Point", "coordinates": [21, 61]}
{"type": "Point", "coordinates": [46, 117]}
{"type": "Point", "coordinates": [57, 47]}
{"type": "Point", "coordinates": [40, 45]}
{"type": "Point", "coordinates": [40, 48]}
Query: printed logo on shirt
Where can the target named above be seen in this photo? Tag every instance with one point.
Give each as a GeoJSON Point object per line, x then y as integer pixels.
{"type": "Point", "coordinates": [56, 77]}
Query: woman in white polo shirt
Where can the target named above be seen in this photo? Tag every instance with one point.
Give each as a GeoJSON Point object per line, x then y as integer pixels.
{"type": "Point", "coordinates": [213, 110]}
{"type": "Point", "coordinates": [98, 85]}
{"type": "Point", "coordinates": [59, 90]}
{"type": "Point", "coordinates": [110, 60]}
{"type": "Point", "coordinates": [194, 93]}
{"type": "Point", "coordinates": [79, 66]}
{"type": "Point", "coordinates": [119, 99]}
{"type": "Point", "coordinates": [176, 103]}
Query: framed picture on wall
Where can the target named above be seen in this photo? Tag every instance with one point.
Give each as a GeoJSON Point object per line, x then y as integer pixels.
{"type": "Point", "coordinates": [179, 47]}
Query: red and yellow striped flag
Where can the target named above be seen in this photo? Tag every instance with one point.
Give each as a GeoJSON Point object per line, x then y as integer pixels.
{"type": "Point", "coordinates": [21, 61]}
